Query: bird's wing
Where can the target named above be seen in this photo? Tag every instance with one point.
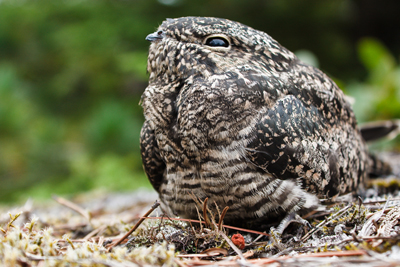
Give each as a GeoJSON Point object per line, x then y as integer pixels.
{"type": "Point", "coordinates": [153, 165]}
{"type": "Point", "coordinates": [291, 140]}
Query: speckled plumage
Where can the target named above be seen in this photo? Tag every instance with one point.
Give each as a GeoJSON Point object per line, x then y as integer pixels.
{"type": "Point", "coordinates": [249, 125]}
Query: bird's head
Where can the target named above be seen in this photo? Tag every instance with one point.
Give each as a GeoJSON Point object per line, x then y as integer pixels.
{"type": "Point", "coordinates": [191, 46]}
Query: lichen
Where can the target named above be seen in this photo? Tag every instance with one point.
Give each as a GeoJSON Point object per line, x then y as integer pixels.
{"type": "Point", "coordinates": [52, 238]}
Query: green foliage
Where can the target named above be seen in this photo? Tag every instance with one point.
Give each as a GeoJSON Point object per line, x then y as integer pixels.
{"type": "Point", "coordinates": [378, 97]}
{"type": "Point", "coordinates": [71, 75]}
{"type": "Point", "coordinates": [381, 89]}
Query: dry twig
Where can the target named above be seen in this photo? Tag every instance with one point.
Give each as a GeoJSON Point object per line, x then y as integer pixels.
{"type": "Point", "coordinates": [337, 214]}
{"type": "Point", "coordinates": [155, 205]}
{"type": "Point", "coordinates": [73, 206]}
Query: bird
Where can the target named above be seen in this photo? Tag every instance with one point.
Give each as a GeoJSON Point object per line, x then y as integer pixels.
{"type": "Point", "coordinates": [234, 117]}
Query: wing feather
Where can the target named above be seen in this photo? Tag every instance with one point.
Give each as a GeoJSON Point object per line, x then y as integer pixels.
{"type": "Point", "coordinates": [153, 164]}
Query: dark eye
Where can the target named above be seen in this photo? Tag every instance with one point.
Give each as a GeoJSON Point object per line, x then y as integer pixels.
{"type": "Point", "coordinates": [217, 42]}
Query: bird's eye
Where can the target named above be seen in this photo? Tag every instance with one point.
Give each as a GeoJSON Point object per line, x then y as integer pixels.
{"type": "Point", "coordinates": [217, 41]}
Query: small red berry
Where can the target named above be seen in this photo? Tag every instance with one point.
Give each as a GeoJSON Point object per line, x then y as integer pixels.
{"type": "Point", "coordinates": [238, 240]}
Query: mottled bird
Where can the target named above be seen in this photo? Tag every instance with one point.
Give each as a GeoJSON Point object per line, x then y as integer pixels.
{"type": "Point", "coordinates": [233, 116]}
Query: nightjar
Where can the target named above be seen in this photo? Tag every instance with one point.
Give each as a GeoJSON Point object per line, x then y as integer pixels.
{"type": "Point", "coordinates": [233, 116]}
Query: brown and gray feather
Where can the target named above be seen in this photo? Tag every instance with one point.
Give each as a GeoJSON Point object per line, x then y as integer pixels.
{"type": "Point", "coordinates": [247, 125]}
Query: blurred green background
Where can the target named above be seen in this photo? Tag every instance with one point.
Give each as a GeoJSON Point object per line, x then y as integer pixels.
{"type": "Point", "coordinates": [72, 73]}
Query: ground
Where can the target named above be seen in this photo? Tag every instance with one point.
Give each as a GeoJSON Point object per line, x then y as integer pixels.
{"type": "Point", "coordinates": [86, 230]}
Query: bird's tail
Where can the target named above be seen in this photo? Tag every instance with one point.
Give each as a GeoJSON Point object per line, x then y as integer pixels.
{"type": "Point", "coordinates": [379, 167]}
{"type": "Point", "coordinates": [372, 131]}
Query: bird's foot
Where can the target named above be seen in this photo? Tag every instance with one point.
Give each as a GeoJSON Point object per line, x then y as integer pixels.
{"type": "Point", "coordinates": [291, 217]}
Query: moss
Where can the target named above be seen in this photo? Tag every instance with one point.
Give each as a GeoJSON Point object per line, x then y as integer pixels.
{"type": "Point", "coordinates": [59, 238]}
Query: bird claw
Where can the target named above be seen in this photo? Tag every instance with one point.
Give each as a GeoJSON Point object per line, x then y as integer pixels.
{"type": "Point", "coordinates": [292, 217]}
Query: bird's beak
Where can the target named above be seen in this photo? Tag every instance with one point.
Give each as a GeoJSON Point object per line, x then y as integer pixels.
{"type": "Point", "coordinates": [158, 35]}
